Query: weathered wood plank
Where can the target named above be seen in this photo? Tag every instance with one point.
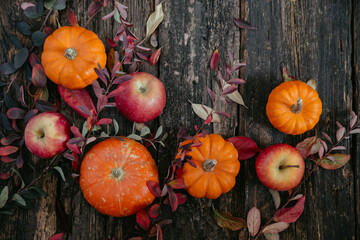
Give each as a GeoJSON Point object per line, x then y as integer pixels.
{"type": "Point", "coordinates": [191, 31]}
{"type": "Point", "coordinates": [313, 40]}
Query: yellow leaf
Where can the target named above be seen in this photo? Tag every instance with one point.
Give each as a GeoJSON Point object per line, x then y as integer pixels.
{"type": "Point", "coordinates": [154, 20]}
{"type": "Point", "coordinates": [203, 112]}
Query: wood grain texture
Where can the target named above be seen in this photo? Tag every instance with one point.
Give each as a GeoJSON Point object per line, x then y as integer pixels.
{"type": "Point", "coordinates": [313, 39]}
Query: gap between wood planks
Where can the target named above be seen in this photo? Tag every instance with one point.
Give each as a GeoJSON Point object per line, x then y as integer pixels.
{"type": "Point", "coordinates": [355, 106]}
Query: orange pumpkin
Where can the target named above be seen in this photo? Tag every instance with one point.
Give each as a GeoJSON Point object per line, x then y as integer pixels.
{"type": "Point", "coordinates": [294, 107]}
{"type": "Point", "coordinates": [70, 56]}
{"type": "Point", "coordinates": [217, 166]}
{"type": "Point", "coordinates": [113, 177]}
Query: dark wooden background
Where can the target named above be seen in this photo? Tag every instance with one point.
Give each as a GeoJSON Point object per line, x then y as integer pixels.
{"type": "Point", "coordinates": [312, 38]}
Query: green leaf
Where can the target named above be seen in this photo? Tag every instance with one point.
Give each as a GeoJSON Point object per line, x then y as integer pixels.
{"type": "Point", "coordinates": [4, 196]}
{"type": "Point", "coordinates": [144, 131]}
{"type": "Point", "coordinates": [104, 134]}
{"type": "Point", "coordinates": [6, 212]}
{"type": "Point", "coordinates": [39, 190]}
{"type": "Point", "coordinates": [134, 136]}
{"type": "Point", "coordinates": [334, 161]}
{"type": "Point", "coordinates": [59, 169]}
{"type": "Point", "coordinates": [60, 5]}
{"type": "Point", "coordinates": [20, 57]}
{"type": "Point", "coordinates": [7, 68]}
{"type": "Point", "coordinates": [117, 15]}
{"type": "Point", "coordinates": [31, 12]}
{"type": "Point", "coordinates": [48, 4]}
{"type": "Point", "coordinates": [116, 126]}
{"type": "Point", "coordinates": [18, 199]}
{"type": "Point", "coordinates": [23, 28]}
{"type": "Point", "coordinates": [159, 132]}
{"type": "Point", "coordinates": [17, 173]}
{"type": "Point", "coordinates": [38, 38]}
{"type": "Point", "coordinates": [84, 130]}
{"type": "Point", "coordinates": [225, 220]}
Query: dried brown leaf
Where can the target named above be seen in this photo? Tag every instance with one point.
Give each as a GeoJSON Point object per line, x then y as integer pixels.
{"type": "Point", "coordinates": [253, 221]}
{"type": "Point", "coordinates": [276, 227]}
{"type": "Point", "coordinates": [203, 112]}
{"type": "Point", "coordinates": [154, 20]}
{"type": "Point", "coordinates": [226, 220]}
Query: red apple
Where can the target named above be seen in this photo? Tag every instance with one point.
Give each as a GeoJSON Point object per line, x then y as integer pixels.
{"type": "Point", "coordinates": [46, 134]}
{"type": "Point", "coordinates": [143, 98]}
{"type": "Point", "coordinates": [280, 167]}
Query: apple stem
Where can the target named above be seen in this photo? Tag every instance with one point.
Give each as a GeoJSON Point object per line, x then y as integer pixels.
{"type": "Point", "coordinates": [288, 166]}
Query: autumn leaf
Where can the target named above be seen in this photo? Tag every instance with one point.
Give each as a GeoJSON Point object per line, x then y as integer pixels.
{"type": "Point", "coordinates": [291, 214]}
{"type": "Point", "coordinates": [276, 197]}
{"type": "Point", "coordinates": [214, 60]}
{"type": "Point", "coordinates": [312, 83]}
{"type": "Point", "coordinates": [226, 220]}
{"type": "Point", "coordinates": [58, 236]}
{"type": "Point", "coordinates": [245, 146]}
{"type": "Point", "coordinates": [70, 15]}
{"type": "Point", "coordinates": [75, 98]}
{"type": "Point", "coordinates": [5, 151]}
{"type": "Point", "coordinates": [154, 20]}
{"type": "Point", "coordinates": [243, 24]}
{"type": "Point", "coordinates": [272, 236]}
{"type": "Point", "coordinates": [235, 96]}
{"type": "Point", "coordinates": [309, 146]}
{"type": "Point", "coordinates": [334, 161]}
{"type": "Point", "coordinates": [286, 76]}
{"type": "Point", "coordinates": [154, 58]}
{"type": "Point", "coordinates": [253, 221]}
{"type": "Point", "coordinates": [177, 183]}
{"type": "Point", "coordinates": [142, 219]}
{"type": "Point", "coordinates": [38, 76]}
{"type": "Point", "coordinates": [276, 227]}
{"type": "Point", "coordinates": [203, 112]}
{"type": "Point", "coordinates": [154, 188]}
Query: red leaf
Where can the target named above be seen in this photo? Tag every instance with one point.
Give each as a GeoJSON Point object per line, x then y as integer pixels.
{"type": "Point", "coordinates": [290, 214]}
{"type": "Point", "coordinates": [286, 76]}
{"type": "Point", "coordinates": [309, 146]}
{"type": "Point", "coordinates": [236, 81]}
{"type": "Point", "coordinates": [173, 199]}
{"type": "Point", "coordinates": [104, 121]}
{"type": "Point", "coordinates": [111, 43]}
{"type": "Point", "coordinates": [208, 119]}
{"type": "Point", "coordinates": [48, 30]}
{"type": "Point", "coordinates": [75, 98]}
{"type": "Point", "coordinates": [253, 221]}
{"type": "Point", "coordinates": [30, 115]}
{"type": "Point", "coordinates": [116, 92]}
{"type": "Point", "coordinates": [4, 176]}
{"type": "Point", "coordinates": [154, 58]}
{"type": "Point", "coordinates": [154, 211]}
{"type": "Point", "coordinates": [229, 89]}
{"type": "Point", "coordinates": [15, 113]}
{"type": "Point", "coordinates": [94, 7]}
{"type": "Point", "coordinates": [75, 163]}
{"type": "Point", "coordinates": [154, 188]}
{"type": "Point", "coordinates": [7, 159]}
{"type": "Point", "coordinates": [70, 14]}
{"type": "Point", "coordinates": [245, 146]}
{"type": "Point", "coordinates": [158, 232]}
{"type": "Point", "coordinates": [10, 139]}
{"type": "Point", "coordinates": [224, 114]}
{"type": "Point", "coordinates": [142, 219]}
{"type": "Point", "coordinates": [181, 198]}
{"type": "Point", "coordinates": [38, 76]}
{"type": "Point", "coordinates": [19, 161]}
{"type": "Point", "coordinates": [177, 183]}
{"type": "Point", "coordinates": [243, 24]}
{"type": "Point", "coordinates": [340, 133]}
{"type": "Point", "coordinates": [74, 147]}
{"type": "Point", "coordinates": [122, 79]}
{"type": "Point", "coordinates": [58, 236]}
{"type": "Point", "coordinates": [214, 60]}
{"type": "Point", "coordinates": [327, 137]}
{"type": "Point", "coordinates": [34, 60]}
{"type": "Point", "coordinates": [76, 131]}
{"type": "Point", "coordinates": [5, 151]}
{"type": "Point", "coordinates": [334, 161]}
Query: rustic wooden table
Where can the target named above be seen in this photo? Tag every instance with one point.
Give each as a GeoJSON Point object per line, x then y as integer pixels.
{"type": "Point", "coordinates": [313, 39]}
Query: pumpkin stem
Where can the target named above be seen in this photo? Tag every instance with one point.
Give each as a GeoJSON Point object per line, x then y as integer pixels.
{"type": "Point", "coordinates": [117, 173]}
{"type": "Point", "coordinates": [287, 166]}
{"type": "Point", "coordinates": [70, 53]}
{"type": "Point", "coordinates": [209, 165]}
{"type": "Point", "coordinates": [296, 108]}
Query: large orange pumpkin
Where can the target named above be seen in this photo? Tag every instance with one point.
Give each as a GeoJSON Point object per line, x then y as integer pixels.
{"type": "Point", "coordinates": [217, 166]}
{"type": "Point", "coordinates": [294, 107]}
{"type": "Point", "coordinates": [113, 177]}
{"type": "Point", "coordinates": [70, 56]}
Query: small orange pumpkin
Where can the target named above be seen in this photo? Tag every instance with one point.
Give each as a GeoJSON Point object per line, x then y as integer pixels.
{"type": "Point", "coordinates": [70, 56]}
{"type": "Point", "coordinates": [294, 107]}
{"type": "Point", "coordinates": [217, 166]}
{"type": "Point", "coordinates": [113, 177]}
